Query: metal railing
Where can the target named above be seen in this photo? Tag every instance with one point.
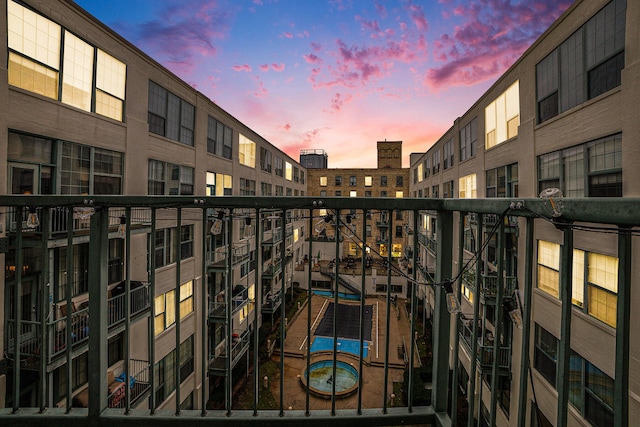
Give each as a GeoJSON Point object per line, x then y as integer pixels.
{"type": "Point", "coordinates": [289, 404]}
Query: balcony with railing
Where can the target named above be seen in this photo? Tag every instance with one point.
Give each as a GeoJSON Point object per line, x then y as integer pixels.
{"type": "Point", "coordinates": [29, 343]}
{"type": "Point", "coordinates": [272, 302]}
{"type": "Point", "coordinates": [489, 285]}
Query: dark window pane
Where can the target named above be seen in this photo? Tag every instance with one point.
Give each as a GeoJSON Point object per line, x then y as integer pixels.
{"type": "Point", "coordinates": [606, 76]}
{"type": "Point", "coordinates": [548, 107]}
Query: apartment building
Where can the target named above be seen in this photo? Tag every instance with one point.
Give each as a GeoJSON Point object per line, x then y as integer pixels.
{"type": "Point", "coordinates": [87, 113]}
{"type": "Point", "coordinates": [562, 117]}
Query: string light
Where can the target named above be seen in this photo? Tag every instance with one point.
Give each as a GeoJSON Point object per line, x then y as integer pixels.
{"type": "Point", "coordinates": [32, 220]}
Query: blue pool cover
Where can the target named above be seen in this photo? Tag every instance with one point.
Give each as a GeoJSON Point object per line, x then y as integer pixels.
{"type": "Point", "coordinates": [344, 345]}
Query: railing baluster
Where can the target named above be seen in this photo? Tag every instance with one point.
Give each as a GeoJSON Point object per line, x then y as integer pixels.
{"type": "Point", "coordinates": [621, 403]}
{"type": "Point", "coordinates": [497, 324]}
{"type": "Point", "coordinates": [151, 321]}
{"type": "Point", "coordinates": [564, 350]}
{"type": "Point", "coordinates": [127, 309]}
{"type": "Point", "coordinates": [68, 331]}
{"type": "Point", "coordinates": [387, 327]}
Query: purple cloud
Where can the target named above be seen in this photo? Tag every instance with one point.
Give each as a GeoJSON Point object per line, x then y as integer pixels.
{"type": "Point", "coordinates": [416, 13]}
{"type": "Point", "coordinates": [277, 67]}
{"type": "Point", "coordinates": [183, 35]}
{"type": "Point", "coordinates": [312, 58]}
{"type": "Point", "coordinates": [244, 67]}
{"type": "Point", "coordinates": [493, 35]}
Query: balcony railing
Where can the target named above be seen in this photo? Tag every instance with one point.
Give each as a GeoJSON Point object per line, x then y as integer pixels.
{"type": "Point", "coordinates": [139, 384]}
{"type": "Point", "coordinates": [35, 336]}
{"type": "Point", "coordinates": [139, 302]}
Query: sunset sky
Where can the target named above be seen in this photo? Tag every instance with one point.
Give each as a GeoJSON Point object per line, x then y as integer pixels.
{"type": "Point", "coordinates": [336, 74]}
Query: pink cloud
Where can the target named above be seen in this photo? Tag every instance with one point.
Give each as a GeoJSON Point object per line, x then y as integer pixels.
{"type": "Point", "coordinates": [261, 91]}
{"type": "Point", "coordinates": [264, 67]}
{"type": "Point", "coordinates": [339, 100]}
{"type": "Point", "coordinates": [287, 35]}
{"type": "Point", "coordinates": [277, 67]}
{"type": "Point", "coordinates": [493, 34]}
{"type": "Point", "coordinates": [244, 67]}
{"type": "Point", "coordinates": [381, 10]}
{"type": "Point", "coordinates": [312, 58]}
{"type": "Point", "coordinates": [286, 127]}
{"type": "Point", "coordinates": [316, 47]}
{"type": "Point", "coordinates": [416, 13]}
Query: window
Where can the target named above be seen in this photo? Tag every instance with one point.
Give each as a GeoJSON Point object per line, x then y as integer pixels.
{"type": "Point", "coordinates": [266, 189]}
{"type": "Point", "coordinates": [502, 117]}
{"type": "Point", "coordinates": [186, 242]}
{"type": "Point", "coordinates": [502, 181]}
{"type": "Point", "coordinates": [602, 287]}
{"type": "Point", "coordinates": [90, 170]}
{"type": "Point", "coordinates": [279, 166]}
{"type": "Point", "coordinates": [169, 179]}
{"type": "Point", "coordinates": [448, 154]}
{"type": "Point", "coordinates": [469, 140]}
{"type": "Point", "coordinates": [301, 177]}
{"type": "Point", "coordinates": [436, 162]}
{"type": "Point", "coordinates": [323, 181]}
{"type": "Point", "coordinates": [588, 63]}
{"type": "Point", "coordinates": [427, 167]}
{"type": "Point", "coordinates": [352, 181]}
{"type": "Point", "coordinates": [164, 375]}
{"type": "Point", "coordinates": [447, 190]}
{"type": "Point", "coordinates": [368, 181]}
{"type": "Point", "coordinates": [265, 160]}
{"type": "Point", "coordinates": [368, 230]}
{"type": "Point", "coordinates": [169, 115]}
{"type": "Point", "coordinates": [288, 171]}
{"type": "Point", "coordinates": [34, 64]}
{"type": "Point", "coordinates": [435, 191]}
{"type": "Point", "coordinates": [186, 358]}
{"type": "Point", "coordinates": [383, 181]}
{"type": "Point", "coordinates": [219, 184]}
{"type": "Point", "coordinates": [549, 267]}
{"type": "Point", "coordinates": [353, 193]}
{"type": "Point", "coordinates": [79, 376]}
{"type": "Point", "coordinates": [247, 187]}
{"type": "Point", "coordinates": [338, 181]}
{"type": "Point", "coordinates": [600, 161]}
{"type": "Point", "coordinates": [383, 194]}
{"type": "Point", "coordinates": [279, 190]}
{"type": "Point", "coordinates": [219, 138]}
{"type": "Point", "coordinates": [246, 151]}
{"type": "Point", "coordinates": [418, 175]}
{"type": "Point", "coordinates": [186, 298]}
{"type": "Point", "coordinates": [591, 391]}
{"type": "Point", "coordinates": [398, 231]}
{"type": "Point", "coordinates": [467, 187]}
{"type": "Point", "coordinates": [367, 193]}
{"type": "Point", "coordinates": [79, 277]}
{"type": "Point", "coordinates": [296, 174]}
{"type": "Point", "coordinates": [545, 358]}
{"type": "Point", "coordinates": [115, 351]}
{"type": "Point", "coordinates": [399, 194]}
{"type": "Point", "coordinates": [164, 247]}
{"type": "Point", "coordinates": [399, 181]}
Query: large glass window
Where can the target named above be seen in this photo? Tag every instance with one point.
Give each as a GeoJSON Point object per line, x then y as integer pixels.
{"type": "Point", "coordinates": [601, 164]}
{"type": "Point", "coordinates": [502, 117]}
{"type": "Point", "coordinates": [169, 179]}
{"type": "Point", "coordinates": [35, 46]}
{"type": "Point", "coordinates": [436, 162]}
{"type": "Point", "coordinates": [247, 151]}
{"type": "Point", "coordinates": [170, 115]}
{"type": "Point", "coordinates": [502, 181]}
{"type": "Point", "coordinates": [448, 154]}
{"type": "Point", "coordinates": [545, 358]}
{"type": "Point", "coordinates": [219, 138]}
{"type": "Point", "coordinates": [602, 287]}
{"type": "Point", "coordinates": [587, 64]}
{"type": "Point", "coordinates": [265, 160]}
{"type": "Point", "coordinates": [219, 184]}
{"type": "Point", "coordinates": [90, 170]}
{"type": "Point", "coordinates": [591, 391]}
{"type": "Point", "coordinates": [247, 187]}
{"type": "Point", "coordinates": [279, 166]}
{"type": "Point", "coordinates": [549, 267]}
{"type": "Point", "coordinates": [288, 171]}
{"type": "Point", "coordinates": [186, 298]}
{"type": "Point", "coordinates": [323, 181]}
{"type": "Point", "coordinates": [469, 139]}
{"type": "Point", "coordinates": [467, 187]}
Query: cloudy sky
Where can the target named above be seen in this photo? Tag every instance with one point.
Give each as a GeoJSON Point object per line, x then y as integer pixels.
{"type": "Point", "coordinates": [336, 74]}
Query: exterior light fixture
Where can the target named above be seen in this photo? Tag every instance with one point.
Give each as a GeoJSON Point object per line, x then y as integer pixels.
{"type": "Point", "coordinates": [453, 305]}
{"type": "Point", "coordinates": [554, 198]}
{"type": "Point", "coordinates": [32, 220]}
{"type": "Point", "coordinates": [248, 231]}
{"type": "Point", "coordinates": [122, 228]}
{"type": "Point", "coordinates": [511, 307]}
{"type": "Point", "coordinates": [216, 227]}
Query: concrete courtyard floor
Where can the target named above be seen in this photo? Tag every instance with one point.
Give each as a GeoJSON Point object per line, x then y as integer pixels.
{"type": "Point", "coordinates": [373, 393]}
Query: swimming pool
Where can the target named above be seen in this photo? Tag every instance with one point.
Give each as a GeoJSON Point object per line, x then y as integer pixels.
{"type": "Point", "coordinates": [344, 345]}
{"type": "Point", "coordinates": [341, 295]}
{"type": "Point", "coordinates": [321, 382]}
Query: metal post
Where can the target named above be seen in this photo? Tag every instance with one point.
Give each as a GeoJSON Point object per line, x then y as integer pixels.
{"type": "Point", "coordinates": [564, 350]}
{"type": "Point", "coordinates": [127, 310]}
{"type": "Point", "coordinates": [257, 309]}
{"type": "Point", "coordinates": [441, 317]}
{"type": "Point", "coordinates": [363, 279]}
{"type": "Point", "coordinates": [176, 307]}
{"type": "Point", "coordinates": [336, 302]}
{"type": "Point", "coordinates": [309, 297]}
{"type": "Point", "coordinates": [621, 403]}
{"type": "Point", "coordinates": [228, 389]}
{"type": "Point", "coordinates": [412, 333]}
{"type": "Point", "coordinates": [98, 280]}
{"type": "Point", "coordinates": [479, 270]}
{"type": "Point", "coordinates": [205, 296]}
{"type": "Point", "coordinates": [498, 324]}
{"type": "Point", "coordinates": [456, 323]}
{"type": "Point", "coordinates": [526, 325]}
{"type": "Point", "coordinates": [45, 308]}
{"type": "Point", "coordinates": [152, 301]}
{"type": "Point", "coordinates": [68, 331]}
{"type": "Point", "coordinates": [283, 307]}
{"type": "Point", "coordinates": [388, 314]}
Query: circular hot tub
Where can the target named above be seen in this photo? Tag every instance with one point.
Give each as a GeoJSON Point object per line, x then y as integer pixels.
{"type": "Point", "coordinates": [321, 379]}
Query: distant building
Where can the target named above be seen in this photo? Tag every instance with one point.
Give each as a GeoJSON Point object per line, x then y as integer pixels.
{"type": "Point", "coordinates": [314, 159]}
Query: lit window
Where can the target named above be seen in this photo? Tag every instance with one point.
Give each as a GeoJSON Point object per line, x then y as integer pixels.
{"type": "Point", "coordinates": [323, 181]}
{"type": "Point", "coordinates": [549, 267]}
{"type": "Point", "coordinates": [186, 298]}
{"type": "Point", "coordinates": [353, 193]}
{"type": "Point", "coordinates": [288, 168]}
{"type": "Point", "coordinates": [577, 283]}
{"type": "Point", "coordinates": [467, 187]}
{"type": "Point", "coordinates": [368, 181]}
{"type": "Point", "coordinates": [160, 317]}
{"type": "Point", "coordinates": [602, 278]}
{"type": "Point", "coordinates": [502, 117]}
{"type": "Point", "coordinates": [111, 76]}
{"type": "Point", "coordinates": [296, 235]}
{"type": "Point", "coordinates": [78, 72]}
{"type": "Point", "coordinates": [399, 194]}
{"type": "Point", "coordinates": [247, 151]}
{"type": "Point", "coordinates": [420, 173]}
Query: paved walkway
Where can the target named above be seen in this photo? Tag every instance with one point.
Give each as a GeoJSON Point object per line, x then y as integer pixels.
{"type": "Point", "coordinates": [373, 370]}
